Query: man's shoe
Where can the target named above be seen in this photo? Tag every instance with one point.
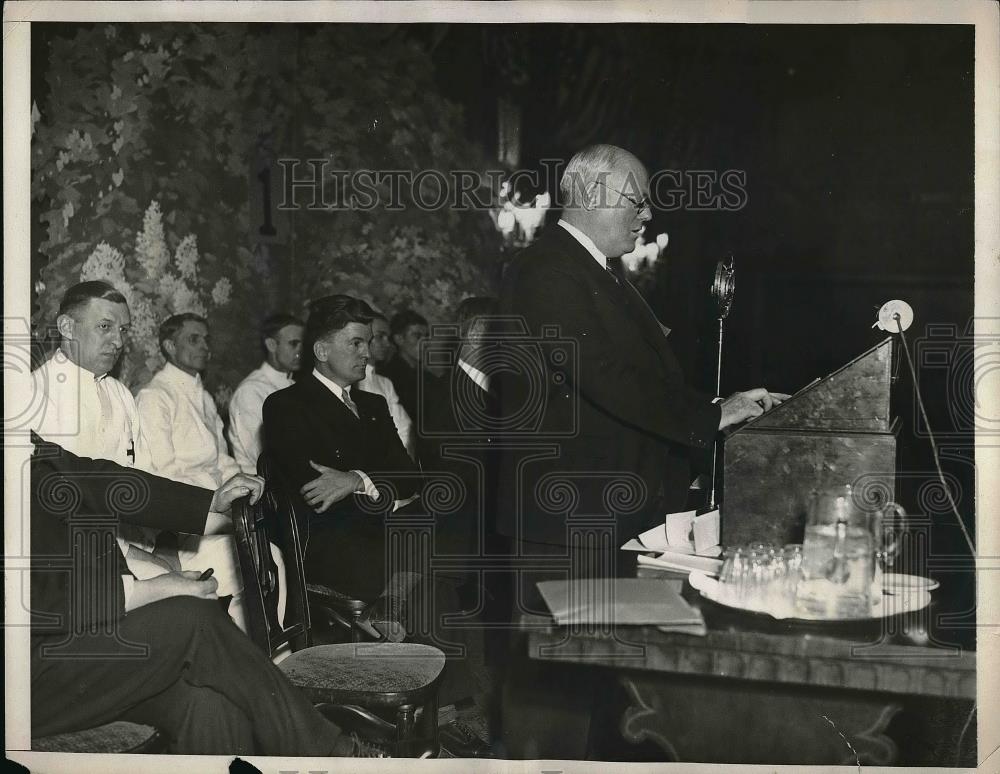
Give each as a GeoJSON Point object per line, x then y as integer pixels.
{"type": "Point", "coordinates": [460, 741]}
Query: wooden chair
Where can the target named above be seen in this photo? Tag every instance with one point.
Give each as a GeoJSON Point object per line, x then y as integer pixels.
{"type": "Point", "coordinates": [361, 621]}
{"type": "Point", "coordinates": [351, 616]}
{"type": "Point", "coordinates": [384, 691]}
{"type": "Point", "coordinates": [340, 611]}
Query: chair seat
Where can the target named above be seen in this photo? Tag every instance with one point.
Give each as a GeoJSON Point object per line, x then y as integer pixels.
{"type": "Point", "coordinates": [325, 595]}
{"type": "Point", "coordinates": [118, 737]}
{"type": "Point", "coordinates": [398, 671]}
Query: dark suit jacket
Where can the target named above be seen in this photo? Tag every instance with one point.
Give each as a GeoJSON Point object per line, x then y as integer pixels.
{"type": "Point", "coordinates": [457, 449]}
{"type": "Point", "coordinates": [345, 545]}
{"type": "Point", "coordinates": [76, 503]}
{"type": "Point", "coordinates": [624, 401]}
{"type": "Point", "coordinates": [308, 422]}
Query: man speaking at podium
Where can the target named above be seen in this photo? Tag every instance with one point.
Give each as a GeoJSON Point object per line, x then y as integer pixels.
{"type": "Point", "coordinates": [634, 418]}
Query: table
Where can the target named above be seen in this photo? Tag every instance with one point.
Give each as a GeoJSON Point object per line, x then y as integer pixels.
{"type": "Point", "coordinates": [779, 694]}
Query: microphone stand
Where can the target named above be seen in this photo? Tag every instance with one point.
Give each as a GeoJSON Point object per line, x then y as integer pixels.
{"type": "Point", "coordinates": [723, 288]}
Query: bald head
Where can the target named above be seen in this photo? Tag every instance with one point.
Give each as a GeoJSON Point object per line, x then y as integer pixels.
{"type": "Point", "coordinates": [606, 189]}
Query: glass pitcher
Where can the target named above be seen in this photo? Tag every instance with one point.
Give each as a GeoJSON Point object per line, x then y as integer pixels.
{"type": "Point", "coordinates": [844, 548]}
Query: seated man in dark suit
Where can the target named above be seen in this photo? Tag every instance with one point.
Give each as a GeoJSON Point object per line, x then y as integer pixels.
{"type": "Point", "coordinates": [170, 657]}
{"type": "Point", "coordinates": [329, 445]}
{"type": "Point", "coordinates": [335, 449]}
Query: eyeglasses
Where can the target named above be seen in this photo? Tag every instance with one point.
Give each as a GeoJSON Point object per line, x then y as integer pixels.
{"type": "Point", "coordinates": [640, 205]}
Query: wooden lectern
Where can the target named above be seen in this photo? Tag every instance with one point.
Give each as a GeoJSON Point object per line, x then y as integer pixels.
{"type": "Point", "coordinates": [835, 431]}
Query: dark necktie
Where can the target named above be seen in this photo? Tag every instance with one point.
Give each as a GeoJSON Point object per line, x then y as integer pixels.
{"type": "Point", "coordinates": [614, 267]}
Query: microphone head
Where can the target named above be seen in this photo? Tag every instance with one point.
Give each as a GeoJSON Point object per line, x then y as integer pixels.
{"type": "Point", "coordinates": [895, 316]}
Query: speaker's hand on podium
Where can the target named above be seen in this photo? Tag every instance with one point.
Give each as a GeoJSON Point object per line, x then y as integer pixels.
{"type": "Point", "coordinates": [741, 406]}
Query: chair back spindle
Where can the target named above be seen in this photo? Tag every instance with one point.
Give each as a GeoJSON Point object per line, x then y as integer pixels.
{"type": "Point", "coordinates": [257, 526]}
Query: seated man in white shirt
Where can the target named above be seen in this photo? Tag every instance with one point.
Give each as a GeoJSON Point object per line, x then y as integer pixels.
{"type": "Point", "coordinates": [381, 350]}
{"type": "Point", "coordinates": [91, 414]}
{"type": "Point", "coordinates": [179, 419]}
{"type": "Point", "coordinates": [185, 438]}
{"type": "Point", "coordinates": [82, 407]}
{"type": "Point", "coordinates": [281, 335]}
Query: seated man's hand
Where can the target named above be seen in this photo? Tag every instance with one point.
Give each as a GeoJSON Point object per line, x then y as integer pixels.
{"type": "Point", "coordinates": [172, 584]}
{"type": "Point", "coordinates": [236, 487]}
{"type": "Point", "coordinates": [741, 406]}
{"type": "Point", "coordinates": [331, 486]}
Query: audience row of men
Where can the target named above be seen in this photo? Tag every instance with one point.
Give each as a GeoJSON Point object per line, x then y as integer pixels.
{"type": "Point", "coordinates": [339, 438]}
{"type": "Point", "coordinates": [355, 439]}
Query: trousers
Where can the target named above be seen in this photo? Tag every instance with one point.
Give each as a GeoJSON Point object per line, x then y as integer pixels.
{"type": "Point", "coordinates": [201, 682]}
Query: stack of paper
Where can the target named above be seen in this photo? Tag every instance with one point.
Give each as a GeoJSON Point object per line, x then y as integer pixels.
{"type": "Point", "coordinates": [681, 533]}
{"type": "Point", "coordinates": [684, 542]}
{"type": "Point", "coordinates": [696, 629]}
{"type": "Point", "coordinates": [684, 563]}
{"type": "Point", "coordinates": [619, 602]}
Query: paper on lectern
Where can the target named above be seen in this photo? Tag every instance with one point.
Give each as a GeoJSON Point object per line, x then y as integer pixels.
{"type": "Point", "coordinates": [674, 535]}
{"type": "Point", "coordinates": [706, 531]}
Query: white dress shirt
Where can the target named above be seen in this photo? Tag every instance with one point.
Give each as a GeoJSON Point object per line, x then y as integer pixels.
{"type": "Point", "coordinates": [587, 242]}
{"type": "Point", "coordinates": [183, 431]}
{"type": "Point", "coordinates": [246, 409]}
{"type": "Point", "coordinates": [382, 385]}
{"type": "Point", "coordinates": [89, 415]}
{"type": "Point", "coordinates": [184, 434]}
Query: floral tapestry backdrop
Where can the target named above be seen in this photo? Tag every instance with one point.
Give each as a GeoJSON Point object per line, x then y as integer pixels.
{"type": "Point", "coordinates": [156, 286]}
{"type": "Point", "coordinates": [144, 139]}
{"type": "Point", "coordinates": [393, 118]}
